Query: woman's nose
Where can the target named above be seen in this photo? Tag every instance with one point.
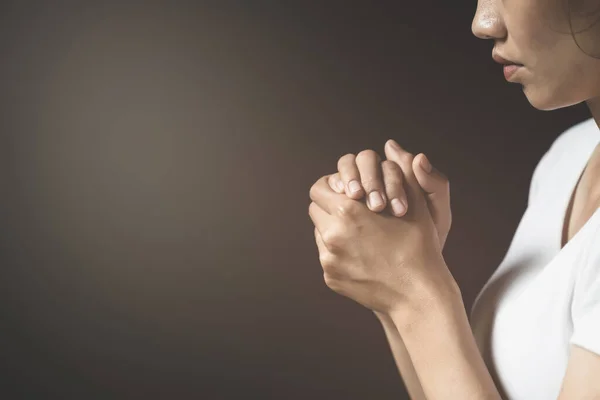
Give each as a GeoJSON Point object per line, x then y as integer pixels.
{"type": "Point", "coordinates": [487, 22]}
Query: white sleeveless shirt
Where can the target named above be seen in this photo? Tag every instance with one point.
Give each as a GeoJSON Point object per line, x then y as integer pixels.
{"type": "Point", "coordinates": [542, 298]}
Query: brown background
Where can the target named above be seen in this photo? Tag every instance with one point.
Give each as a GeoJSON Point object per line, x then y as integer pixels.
{"type": "Point", "coordinates": [154, 235]}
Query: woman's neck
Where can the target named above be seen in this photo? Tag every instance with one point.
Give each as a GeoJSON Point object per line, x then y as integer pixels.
{"type": "Point", "coordinates": [594, 106]}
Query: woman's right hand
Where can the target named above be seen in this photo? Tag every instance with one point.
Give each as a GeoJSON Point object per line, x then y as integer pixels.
{"type": "Point", "coordinates": [375, 176]}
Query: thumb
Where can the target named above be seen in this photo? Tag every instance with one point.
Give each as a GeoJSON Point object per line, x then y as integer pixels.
{"type": "Point", "coordinates": [435, 187]}
{"type": "Point", "coordinates": [433, 182]}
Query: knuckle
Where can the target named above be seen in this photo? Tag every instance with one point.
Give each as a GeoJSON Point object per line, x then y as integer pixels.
{"type": "Point", "coordinates": [333, 181]}
{"type": "Point", "coordinates": [327, 237]}
{"type": "Point", "coordinates": [329, 279]}
{"type": "Point", "coordinates": [371, 183]}
{"type": "Point", "coordinates": [392, 173]}
{"type": "Point", "coordinates": [312, 192]}
{"type": "Point", "coordinates": [345, 160]}
{"type": "Point", "coordinates": [327, 261]}
{"type": "Point", "coordinates": [393, 188]}
{"type": "Point", "coordinates": [332, 241]}
{"type": "Point", "coordinates": [390, 166]}
{"type": "Point", "coordinates": [367, 154]}
{"type": "Point", "coordinates": [348, 208]}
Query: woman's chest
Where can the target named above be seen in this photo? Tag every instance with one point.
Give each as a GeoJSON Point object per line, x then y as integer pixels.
{"type": "Point", "coordinates": [522, 318]}
{"type": "Point", "coordinates": [522, 324]}
{"type": "Point", "coordinates": [584, 202]}
{"type": "Point", "coordinates": [529, 337]}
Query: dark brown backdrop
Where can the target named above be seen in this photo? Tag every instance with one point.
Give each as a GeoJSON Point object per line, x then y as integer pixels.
{"type": "Point", "coordinates": [154, 234]}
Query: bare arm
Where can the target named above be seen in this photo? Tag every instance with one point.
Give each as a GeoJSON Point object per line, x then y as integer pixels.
{"type": "Point", "coordinates": [401, 357]}
{"type": "Point", "coordinates": [440, 342]}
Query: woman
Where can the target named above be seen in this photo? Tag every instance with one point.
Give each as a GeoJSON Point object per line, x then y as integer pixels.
{"type": "Point", "coordinates": [535, 325]}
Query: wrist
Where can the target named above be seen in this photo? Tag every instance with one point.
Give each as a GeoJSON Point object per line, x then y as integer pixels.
{"type": "Point", "coordinates": [433, 301]}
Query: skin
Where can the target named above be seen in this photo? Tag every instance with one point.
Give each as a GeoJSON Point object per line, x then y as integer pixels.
{"type": "Point", "coordinates": [555, 73]}
{"type": "Point", "coordinates": [394, 266]}
{"type": "Point", "coordinates": [368, 171]}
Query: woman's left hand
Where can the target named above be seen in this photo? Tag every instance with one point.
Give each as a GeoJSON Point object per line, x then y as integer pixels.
{"type": "Point", "coordinates": [380, 261]}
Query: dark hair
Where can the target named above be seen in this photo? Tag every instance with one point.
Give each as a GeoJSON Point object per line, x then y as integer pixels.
{"type": "Point", "coordinates": [575, 7]}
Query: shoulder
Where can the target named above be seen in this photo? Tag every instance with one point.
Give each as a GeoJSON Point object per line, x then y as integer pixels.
{"type": "Point", "coordinates": [577, 136]}
{"type": "Point", "coordinates": [576, 139]}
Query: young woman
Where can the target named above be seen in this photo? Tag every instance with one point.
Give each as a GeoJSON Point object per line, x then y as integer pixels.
{"type": "Point", "coordinates": [535, 326]}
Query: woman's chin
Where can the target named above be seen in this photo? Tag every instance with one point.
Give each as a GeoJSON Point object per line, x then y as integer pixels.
{"type": "Point", "coordinates": [545, 100]}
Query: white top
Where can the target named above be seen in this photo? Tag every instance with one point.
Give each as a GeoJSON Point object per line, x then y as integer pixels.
{"type": "Point", "coordinates": [542, 298]}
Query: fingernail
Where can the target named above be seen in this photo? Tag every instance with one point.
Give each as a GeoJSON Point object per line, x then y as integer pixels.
{"type": "Point", "coordinates": [398, 206]}
{"type": "Point", "coordinates": [340, 186]}
{"type": "Point", "coordinates": [375, 199]}
{"type": "Point", "coordinates": [425, 164]}
{"type": "Point", "coordinates": [354, 186]}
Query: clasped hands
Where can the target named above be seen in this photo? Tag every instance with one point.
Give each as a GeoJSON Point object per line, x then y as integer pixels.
{"type": "Point", "coordinates": [386, 259]}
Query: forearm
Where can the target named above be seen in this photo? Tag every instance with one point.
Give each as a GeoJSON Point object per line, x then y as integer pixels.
{"type": "Point", "coordinates": [444, 354]}
{"type": "Point", "coordinates": [401, 357]}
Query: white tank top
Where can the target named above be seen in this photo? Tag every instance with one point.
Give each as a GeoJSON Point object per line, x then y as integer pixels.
{"type": "Point", "coordinates": [542, 298]}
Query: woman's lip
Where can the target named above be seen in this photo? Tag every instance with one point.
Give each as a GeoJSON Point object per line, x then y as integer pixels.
{"type": "Point", "coordinates": [501, 60]}
{"type": "Point", "coordinates": [510, 69]}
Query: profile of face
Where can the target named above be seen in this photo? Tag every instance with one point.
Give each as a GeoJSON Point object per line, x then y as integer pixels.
{"type": "Point", "coordinates": [556, 72]}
